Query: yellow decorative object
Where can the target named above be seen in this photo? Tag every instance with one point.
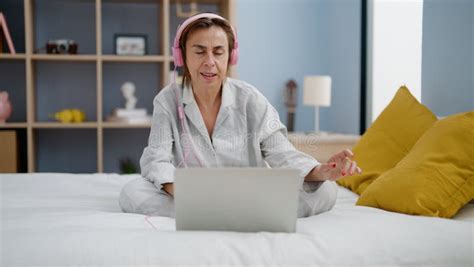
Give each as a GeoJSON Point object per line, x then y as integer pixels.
{"type": "Point", "coordinates": [70, 115]}
{"type": "Point", "coordinates": [436, 178]}
{"type": "Point", "coordinates": [389, 139]}
{"type": "Point", "coordinates": [78, 115]}
{"type": "Point", "coordinates": [64, 116]}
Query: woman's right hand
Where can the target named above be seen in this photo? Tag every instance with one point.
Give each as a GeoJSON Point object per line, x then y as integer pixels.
{"type": "Point", "coordinates": [339, 165]}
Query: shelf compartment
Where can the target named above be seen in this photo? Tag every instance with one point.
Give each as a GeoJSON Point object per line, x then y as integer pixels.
{"type": "Point", "coordinates": [14, 82]}
{"type": "Point", "coordinates": [66, 150]}
{"type": "Point", "coordinates": [64, 85]}
{"type": "Point", "coordinates": [115, 150]}
{"type": "Point", "coordinates": [21, 147]}
{"type": "Point", "coordinates": [129, 17]}
{"type": "Point", "coordinates": [59, 19]}
{"type": "Point", "coordinates": [145, 76]}
{"type": "Point", "coordinates": [14, 13]}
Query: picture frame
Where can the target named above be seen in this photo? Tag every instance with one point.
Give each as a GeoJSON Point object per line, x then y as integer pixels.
{"type": "Point", "coordinates": [130, 44]}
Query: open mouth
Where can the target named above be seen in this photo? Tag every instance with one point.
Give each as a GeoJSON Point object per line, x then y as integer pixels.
{"type": "Point", "coordinates": [208, 75]}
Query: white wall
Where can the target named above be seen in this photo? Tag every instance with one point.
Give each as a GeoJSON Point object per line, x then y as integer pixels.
{"type": "Point", "coordinates": [394, 51]}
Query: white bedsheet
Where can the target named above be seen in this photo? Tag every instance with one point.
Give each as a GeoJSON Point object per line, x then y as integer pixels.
{"type": "Point", "coordinates": [74, 219]}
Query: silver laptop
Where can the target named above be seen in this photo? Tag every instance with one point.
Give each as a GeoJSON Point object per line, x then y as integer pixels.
{"type": "Point", "coordinates": [236, 199]}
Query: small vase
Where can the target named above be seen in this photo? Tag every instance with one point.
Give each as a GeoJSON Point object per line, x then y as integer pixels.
{"type": "Point", "coordinates": [5, 107]}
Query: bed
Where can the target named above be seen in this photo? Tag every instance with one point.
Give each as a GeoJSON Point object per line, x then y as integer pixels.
{"type": "Point", "coordinates": [56, 219]}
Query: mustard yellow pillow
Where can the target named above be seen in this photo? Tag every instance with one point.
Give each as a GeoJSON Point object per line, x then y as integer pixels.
{"type": "Point", "coordinates": [436, 178]}
{"type": "Point", "coordinates": [389, 139]}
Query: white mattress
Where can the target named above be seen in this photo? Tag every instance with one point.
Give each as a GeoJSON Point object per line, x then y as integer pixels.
{"type": "Point", "coordinates": [69, 220]}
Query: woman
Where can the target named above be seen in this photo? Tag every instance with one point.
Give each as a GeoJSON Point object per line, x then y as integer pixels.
{"type": "Point", "coordinates": [216, 121]}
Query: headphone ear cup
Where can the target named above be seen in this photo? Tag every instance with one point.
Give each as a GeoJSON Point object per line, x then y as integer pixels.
{"type": "Point", "coordinates": [178, 57]}
{"type": "Point", "coordinates": [234, 56]}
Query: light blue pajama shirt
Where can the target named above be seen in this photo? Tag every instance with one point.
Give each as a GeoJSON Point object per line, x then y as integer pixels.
{"type": "Point", "coordinates": [247, 133]}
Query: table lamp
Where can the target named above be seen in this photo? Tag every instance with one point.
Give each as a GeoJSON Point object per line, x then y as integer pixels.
{"type": "Point", "coordinates": [317, 93]}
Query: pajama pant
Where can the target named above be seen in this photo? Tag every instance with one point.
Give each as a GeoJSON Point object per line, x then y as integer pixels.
{"type": "Point", "coordinates": [143, 197]}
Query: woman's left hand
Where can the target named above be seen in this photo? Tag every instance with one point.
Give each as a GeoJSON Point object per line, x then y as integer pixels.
{"type": "Point", "coordinates": [339, 165]}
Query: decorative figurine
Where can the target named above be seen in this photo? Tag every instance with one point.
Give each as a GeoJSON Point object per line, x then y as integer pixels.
{"type": "Point", "coordinates": [5, 107]}
{"type": "Point", "coordinates": [129, 114]}
{"type": "Point", "coordinates": [128, 91]}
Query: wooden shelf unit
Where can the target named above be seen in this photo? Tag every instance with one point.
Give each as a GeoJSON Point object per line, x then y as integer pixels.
{"type": "Point", "coordinates": [31, 60]}
{"type": "Point", "coordinates": [125, 125]}
{"type": "Point", "coordinates": [13, 125]}
{"type": "Point", "coordinates": [59, 125]}
{"type": "Point", "coordinates": [45, 57]}
{"type": "Point", "coordinates": [17, 56]}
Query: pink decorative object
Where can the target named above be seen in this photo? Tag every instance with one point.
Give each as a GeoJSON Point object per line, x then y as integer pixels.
{"type": "Point", "coordinates": [5, 107]}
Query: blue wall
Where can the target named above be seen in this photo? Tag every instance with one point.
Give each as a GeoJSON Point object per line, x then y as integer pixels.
{"type": "Point", "coordinates": [447, 76]}
{"type": "Point", "coordinates": [285, 39]}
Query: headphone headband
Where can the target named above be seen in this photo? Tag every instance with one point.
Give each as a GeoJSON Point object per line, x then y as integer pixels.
{"type": "Point", "coordinates": [177, 53]}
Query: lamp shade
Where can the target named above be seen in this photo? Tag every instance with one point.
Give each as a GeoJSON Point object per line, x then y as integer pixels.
{"type": "Point", "coordinates": [317, 91]}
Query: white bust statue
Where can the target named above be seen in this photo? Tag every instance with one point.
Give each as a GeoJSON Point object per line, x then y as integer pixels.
{"type": "Point", "coordinates": [128, 91]}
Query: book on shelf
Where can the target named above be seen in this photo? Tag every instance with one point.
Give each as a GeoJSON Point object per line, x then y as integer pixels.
{"type": "Point", "coordinates": [129, 113]}
{"type": "Point", "coordinates": [130, 116]}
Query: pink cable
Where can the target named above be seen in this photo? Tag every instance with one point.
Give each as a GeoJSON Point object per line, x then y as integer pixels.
{"type": "Point", "coordinates": [181, 118]}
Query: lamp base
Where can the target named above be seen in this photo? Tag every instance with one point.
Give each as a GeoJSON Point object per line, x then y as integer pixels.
{"type": "Point", "coordinates": [316, 119]}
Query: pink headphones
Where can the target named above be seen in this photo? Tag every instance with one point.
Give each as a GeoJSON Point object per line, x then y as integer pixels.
{"type": "Point", "coordinates": [178, 54]}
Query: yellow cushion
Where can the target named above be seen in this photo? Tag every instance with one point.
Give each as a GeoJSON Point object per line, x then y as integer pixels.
{"type": "Point", "coordinates": [389, 139]}
{"type": "Point", "coordinates": [436, 178]}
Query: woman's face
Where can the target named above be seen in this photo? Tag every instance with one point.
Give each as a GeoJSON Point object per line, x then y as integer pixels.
{"type": "Point", "coordinates": [207, 56]}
